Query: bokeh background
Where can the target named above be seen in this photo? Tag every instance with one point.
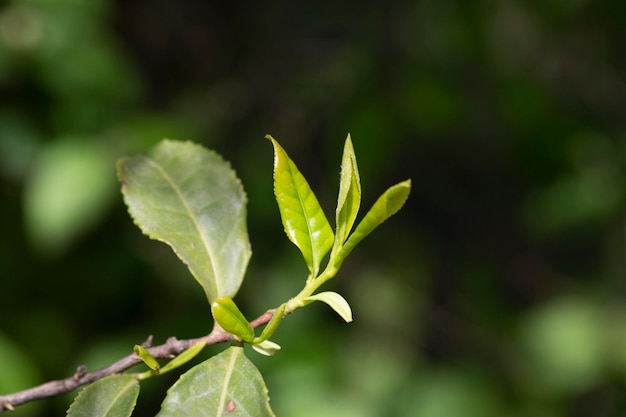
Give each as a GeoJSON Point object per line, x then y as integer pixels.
{"type": "Point", "coordinates": [500, 288]}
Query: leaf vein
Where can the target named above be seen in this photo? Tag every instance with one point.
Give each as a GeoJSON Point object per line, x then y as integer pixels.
{"type": "Point", "coordinates": [189, 213]}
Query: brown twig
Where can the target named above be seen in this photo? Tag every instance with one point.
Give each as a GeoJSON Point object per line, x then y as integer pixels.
{"type": "Point", "coordinates": [170, 349]}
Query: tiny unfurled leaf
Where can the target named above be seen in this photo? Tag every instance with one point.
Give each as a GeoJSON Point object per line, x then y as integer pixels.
{"type": "Point", "coordinates": [226, 385]}
{"type": "Point", "coordinates": [112, 396]}
{"type": "Point", "coordinates": [230, 318]}
{"type": "Point", "coordinates": [386, 206]}
{"type": "Point", "coordinates": [266, 347]}
{"type": "Point", "coordinates": [349, 198]}
{"type": "Point", "coordinates": [304, 221]}
{"type": "Point", "coordinates": [184, 357]}
{"type": "Point", "coordinates": [272, 325]}
{"type": "Point", "coordinates": [147, 358]}
{"type": "Point", "coordinates": [190, 198]}
{"type": "Point", "coordinates": [335, 301]}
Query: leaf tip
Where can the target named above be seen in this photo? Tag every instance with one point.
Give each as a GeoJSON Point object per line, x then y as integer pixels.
{"type": "Point", "coordinates": [405, 186]}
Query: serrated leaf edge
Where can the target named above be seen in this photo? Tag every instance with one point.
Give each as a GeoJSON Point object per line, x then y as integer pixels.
{"type": "Point", "coordinates": [145, 230]}
{"type": "Point", "coordinates": [130, 383]}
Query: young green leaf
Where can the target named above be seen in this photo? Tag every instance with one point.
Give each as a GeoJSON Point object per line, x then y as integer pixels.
{"type": "Point", "coordinates": [112, 396]}
{"type": "Point", "coordinates": [349, 198]}
{"type": "Point", "coordinates": [189, 197]}
{"type": "Point", "coordinates": [335, 301]}
{"type": "Point", "coordinates": [147, 358]}
{"type": "Point", "coordinates": [225, 385]}
{"type": "Point", "coordinates": [304, 221]}
{"type": "Point", "coordinates": [266, 347]}
{"type": "Point", "coordinates": [386, 206]}
{"type": "Point", "coordinates": [184, 357]}
{"type": "Point", "coordinates": [272, 325]}
{"type": "Point", "coordinates": [229, 317]}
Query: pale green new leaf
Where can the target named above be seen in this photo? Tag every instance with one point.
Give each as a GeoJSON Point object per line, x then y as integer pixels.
{"type": "Point", "coordinates": [386, 206]}
{"type": "Point", "coordinates": [227, 384]}
{"type": "Point", "coordinates": [349, 198]}
{"type": "Point", "coordinates": [266, 347]}
{"type": "Point", "coordinates": [335, 301]}
{"type": "Point", "coordinates": [147, 358]}
{"type": "Point", "coordinates": [112, 396]}
{"type": "Point", "coordinates": [230, 318]}
{"type": "Point", "coordinates": [184, 357]}
{"type": "Point", "coordinates": [304, 221]}
{"type": "Point", "coordinates": [190, 198]}
{"type": "Point", "coordinates": [272, 325]}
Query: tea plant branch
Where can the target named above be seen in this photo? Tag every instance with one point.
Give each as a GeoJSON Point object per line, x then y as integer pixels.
{"type": "Point", "coordinates": [168, 350]}
{"type": "Point", "coordinates": [190, 198]}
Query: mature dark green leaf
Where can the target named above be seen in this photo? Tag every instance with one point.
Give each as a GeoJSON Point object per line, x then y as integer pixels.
{"type": "Point", "coordinates": [113, 396]}
{"type": "Point", "coordinates": [190, 198]}
{"type": "Point", "coordinates": [227, 384]}
{"type": "Point", "coordinates": [304, 221]}
{"type": "Point", "coordinates": [386, 206]}
{"type": "Point", "coordinates": [349, 198]}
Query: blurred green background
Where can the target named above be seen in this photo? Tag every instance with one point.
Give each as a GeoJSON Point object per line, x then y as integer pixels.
{"type": "Point", "coordinates": [500, 288]}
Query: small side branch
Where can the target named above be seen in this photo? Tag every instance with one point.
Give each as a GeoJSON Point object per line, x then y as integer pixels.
{"type": "Point", "coordinates": [170, 349]}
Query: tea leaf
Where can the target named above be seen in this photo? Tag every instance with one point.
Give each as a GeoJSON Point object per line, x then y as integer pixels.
{"type": "Point", "coordinates": [227, 384]}
{"type": "Point", "coordinates": [189, 197]}
{"type": "Point", "coordinates": [304, 221]}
